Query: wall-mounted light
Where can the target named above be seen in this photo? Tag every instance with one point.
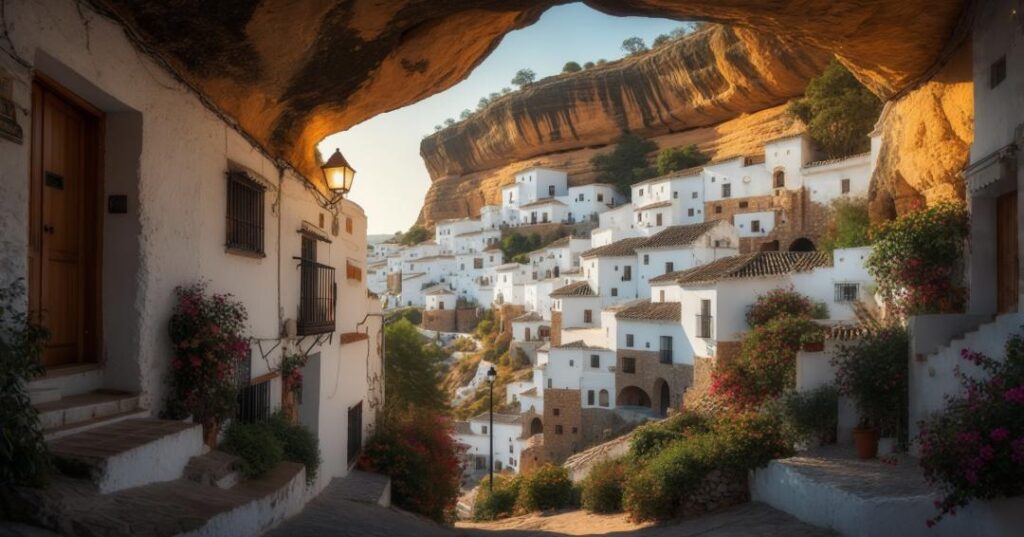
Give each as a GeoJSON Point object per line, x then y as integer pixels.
{"type": "Point", "coordinates": [338, 175]}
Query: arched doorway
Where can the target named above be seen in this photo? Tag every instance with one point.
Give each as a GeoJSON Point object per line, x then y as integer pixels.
{"type": "Point", "coordinates": [664, 395]}
{"type": "Point", "coordinates": [802, 244]}
{"type": "Point", "coordinates": [536, 426]}
{"type": "Point", "coordinates": [779, 180]}
{"type": "Point", "coordinates": [633, 396]}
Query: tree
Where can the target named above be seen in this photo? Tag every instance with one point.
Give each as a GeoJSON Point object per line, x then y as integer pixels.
{"type": "Point", "coordinates": [437, 128]}
{"type": "Point", "coordinates": [413, 369]}
{"type": "Point", "coordinates": [415, 235]}
{"type": "Point", "coordinates": [449, 122]}
{"type": "Point", "coordinates": [687, 29]}
{"type": "Point", "coordinates": [482, 103]}
{"type": "Point", "coordinates": [839, 112]}
{"type": "Point", "coordinates": [493, 96]}
{"type": "Point", "coordinates": [506, 90]}
{"type": "Point", "coordinates": [849, 225]}
{"type": "Point", "coordinates": [673, 159]}
{"type": "Point", "coordinates": [571, 67]}
{"type": "Point", "coordinates": [602, 61]}
{"type": "Point", "coordinates": [466, 114]}
{"type": "Point", "coordinates": [634, 45]}
{"type": "Point", "coordinates": [626, 164]}
{"type": "Point", "coordinates": [524, 77]}
{"type": "Point", "coordinates": [661, 40]}
{"type": "Point", "coordinates": [588, 65]}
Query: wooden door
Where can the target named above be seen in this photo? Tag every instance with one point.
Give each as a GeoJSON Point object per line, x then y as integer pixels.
{"type": "Point", "coordinates": [64, 225]}
{"type": "Point", "coordinates": [1007, 265]}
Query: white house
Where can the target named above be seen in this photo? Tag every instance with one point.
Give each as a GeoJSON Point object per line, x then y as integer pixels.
{"type": "Point", "coordinates": [446, 231]}
{"type": "Point", "coordinates": [412, 289]}
{"type": "Point", "coordinates": [507, 439]}
{"type": "Point", "coordinates": [584, 367]}
{"type": "Point", "coordinates": [440, 299]}
{"type": "Point", "coordinates": [614, 224]}
{"type": "Point", "coordinates": [530, 327]}
{"type": "Point", "coordinates": [508, 283]}
{"type": "Point", "coordinates": [586, 202]}
{"type": "Point", "coordinates": [543, 211]}
{"type": "Point", "coordinates": [576, 305]}
{"type": "Point", "coordinates": [490, 217]}
{"type": "Point", "coordinates": [683, 247]}
{"type": "Point", "coordinates": [126, 184]}
{"type": "Point", "coordinates": [612, 270]}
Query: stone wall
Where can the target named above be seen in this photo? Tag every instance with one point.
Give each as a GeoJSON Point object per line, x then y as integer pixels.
{"type": "Point", "coordinates": [718, 490]}
{"type": "Point", "coordinates": [649, 373]}
{"type": "Point", "coordinates": [569, 420]}
{"type": "Point", "coordinates": [439, 320]}
{"type": "Point", "coordinates": [556, 328]}
{"type": "Point", "coordinates": [702, 369]}
{"type": "Point", "coordinates": [796, 216]}
{"type": "Point", "coordinates": [507, 312]}
{"type": "Point", "coordinates": [466, 319]}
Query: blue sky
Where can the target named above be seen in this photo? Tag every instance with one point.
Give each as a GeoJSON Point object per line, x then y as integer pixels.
{"type": "Point", "coordinates": [391, 179]}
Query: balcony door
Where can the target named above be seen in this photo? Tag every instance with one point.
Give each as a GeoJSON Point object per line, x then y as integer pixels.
{"type": "Point", "coordinates": [1007, 264]}
{"type": "Point", "coordinates": [64, 222]}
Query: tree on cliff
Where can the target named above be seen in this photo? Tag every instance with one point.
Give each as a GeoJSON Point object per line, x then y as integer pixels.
{"type": "Point", "coordinates": [482, 103]}
{"type": "Point", "coordinates": [465, 114]}
{"type": "Point", "coordinates": [673, 159]}
{"type": "Point", "coordinates": [571, 67]}
{"type": "Point", "coordinates": [661, 40]}
{"type": "Point", "coordinates": [588, 65]}
{"type": "Point", "coordinates": [634, 45]}
{"type": "Point", "coordinates": [524, 77]}
{"type": "Point", "coordinates": [839, 112]}
{"type": "Point", "coordinates": [449, 122]}
{"type": "Point", "coordinates": [415, 235]}
{"type": "Point", "coordinates": [626, 164]}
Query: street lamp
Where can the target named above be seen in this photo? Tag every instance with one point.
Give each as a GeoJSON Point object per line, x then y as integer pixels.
{"type": "Point", "coordinates": [338, 175]}
{"type": "Point", "coordinates": [491, 376]}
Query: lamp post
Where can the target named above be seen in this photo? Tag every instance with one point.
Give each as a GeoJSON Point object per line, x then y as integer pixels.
{"type": "Point", "coordinates": [491, 375]}
{"type": "Point", "coordinates": [338, 175]}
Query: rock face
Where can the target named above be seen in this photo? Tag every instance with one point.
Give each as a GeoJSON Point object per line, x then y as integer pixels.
{"type": "Point", "coordinates": [293, 71]}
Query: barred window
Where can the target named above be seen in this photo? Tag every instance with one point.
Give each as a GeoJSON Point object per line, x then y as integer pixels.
{"type": "Point", "coordinates": [847, 292]}
{"type": "Point", "coordinates": [244, 214]}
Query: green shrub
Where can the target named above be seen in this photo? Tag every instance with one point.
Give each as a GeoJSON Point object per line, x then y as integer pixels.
{"type": "Point", "coordinates": [499, 502]}
{"type": "Point", "coordinates": [601, 491]}
{"type": "Point", "coordinates": [256, 444]}
{"type": "Point", "coordinates": [626, 163]}
{"type": "Point", "coordinates": [673, 159]}
{"type": "Point", "coordinates": [873, 372]}
{"type": "Point", "coordinates": [299, 444]}
{"type": "Point", "coordinates": [652, 437]}
{"type": "Point", "coordinates": [549, 487]}
{"type": "Point", "coordinates": [813, 415]}
{"type": "Point", "coordinates": [849, 224]}
{"type": "Point", "coordinates": [839, 111]}
{"type": "Point", "coordinates": [464, 344]}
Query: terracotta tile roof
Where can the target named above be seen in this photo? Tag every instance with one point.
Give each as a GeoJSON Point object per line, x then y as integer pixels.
{"type": "Point", "coordinates": [432, 258]}
{"type": "Point", "coordinates": [580, 344]}
{"type": "Point", "coordinates": [542, 202]}
{"type": "Point", "coordinates": [508, 419]}
{"type": "Point", "coordinates": [826, 162]}
{"type": "Point", "coordinates": [532, 392]}
{"type": "Point", "coordinates": [474, 233]}
{"type": "Point", "coordinates": [462, 427]}
{"type": "Point", "coordinates": [440, 292]}
{"type": "Point", "coordinates": [412, 275]}
{"type": "Point", "coordinates": [655, 205]}
{"type": "Point", "coordinates": [619, 248]}
{"type": "Point", "coordinates": [754, 265]}
{"type": "Point", "coordinates": [507, 266]}
{"type": "Point", "coordinates": [528, 317]}
{"type": "Point", "coordinates": [651, 311]}
{"type": "Point", "coordinates": [574, 289]}
{"type": "Point", "coordinates": [678, 235]}
{"type": "Point", "coordinates": [493, 249]}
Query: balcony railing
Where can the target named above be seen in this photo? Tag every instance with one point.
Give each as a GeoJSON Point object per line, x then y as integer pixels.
{"type": "Point", "coordinates": [704, 325]}
{"type": "Point", "coordinates": [665, 356]}
{"type": "Point", "coordinates": [318, 297]}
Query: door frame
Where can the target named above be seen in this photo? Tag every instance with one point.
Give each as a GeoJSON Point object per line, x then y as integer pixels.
{"type": "Point", "coordinates": [92, 207]}
{"type": "Point", "coordinates": [1006, 303]}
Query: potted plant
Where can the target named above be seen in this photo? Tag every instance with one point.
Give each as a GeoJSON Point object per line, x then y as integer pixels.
{"type": "Point", "coordinates": [207, 334]}
{"type": "Point", "coordinates": [812, 341]}
{"type": "Point", "coordinates": [291, 380]}
{"type": "Point", "coordinates": [873, 371]}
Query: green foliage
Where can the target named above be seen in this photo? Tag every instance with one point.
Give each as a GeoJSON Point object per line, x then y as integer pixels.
{"type": "Point", "coordinates": [548, 487]}
{"type": "Point", "coordinates": [588, 65]}
{"type": "Point", "coordinates": [23, 452]}
{"type": "Point", "coordinates": [413, 368]}
{"type": "Point", "coordinates": [515, 246]}
{"type": "Point", "coordinates": [661, 40]}
{"type": "Point", "coordinates": [873, 372]}
{"type": "Point", "coordinates": [208, 336]}
{"type": "Point", "coordinates": [416, 448]}
{"type": "Point", "coordinates": [812, 415]}
{"type": "Point", "coordinates": [602, 488]}
{"type": "Point", "coordinates": [626, 164]}
{"type": "Point", "coordinates": [571, 67]}
{"type": "Point", "coordinates": [974, 448]}
{"type": "Point", "coordinates": [518, 359]}
{"type": "Point", "coordinates": [778, 303]}
{"type": "Point", "coordinates": [651, 438]}
{"type": "Point", "coordinates": [839, 112]}
{"type": "Point", "coordinates": [524, 77]}
{"type": "Point", "coordinates": [465, 114]}
{"type": "Point", "coordinates": [849, 224]}
{"type": "Point", "coordinates": [415, 235]}
{"type": "Point", "coordinates": [499, 502]}
{"type": "Point", "coordinates": [256, 444]}
{"type": "Point", "coordinates": [464, 344]}
{"type": "Point", "coordinates": [673, 159]}
{"type": "Point", "coordinates": [299, 444]}
{"type": "Point", "coordinates": [917, 260]}
{"type": "Point", "coordinates": [413, 315]}
{"type": "Point", "coordinates": [634, 45]}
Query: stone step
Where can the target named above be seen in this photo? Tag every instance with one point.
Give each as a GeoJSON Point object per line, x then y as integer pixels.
{"type": "Point", "coordinates": [216, 468]}
{"type": "Point", "coordinates": [70, 410]}
{"type": "Point", "coordinates": [67, 380]}
{"type": "Point", "coordinates": [129, 453]}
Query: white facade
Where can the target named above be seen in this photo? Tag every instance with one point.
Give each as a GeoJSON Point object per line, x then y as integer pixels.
{"type": "Point", "coordinates": [587, 202]}
{"type": "Point", "coordinates": [585, 368]}
{"type": "Point", "coordinates": [614, 278]}
{"type": "Point", "coordinates": [440, 299]}
{"type": "Point", "coordinates": [508, 283]}
{"type": "Point", "coordinates": [508, 441]}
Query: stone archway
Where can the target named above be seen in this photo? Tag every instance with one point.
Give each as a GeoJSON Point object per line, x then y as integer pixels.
{"type": "Point", "coordinates": [536, 426]}
{"type": "Point", "coordinates": [633, 396]}
{"type": "Point", "coordinates": [803, 244]}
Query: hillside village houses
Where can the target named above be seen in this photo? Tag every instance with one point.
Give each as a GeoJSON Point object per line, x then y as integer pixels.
{"type": "Point", "coordinates": [125, 185]}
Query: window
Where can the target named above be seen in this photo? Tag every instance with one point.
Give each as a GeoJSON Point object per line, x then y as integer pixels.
{"type": "Point", "coordinates": [639, 216]}
{"type": "Point", "coordinates": [544, 217]}
{"type": "Point", "coordinates": [595, 361]}
{"type": "Point", "coordinates": [600, 197]}
{"type": "Point", "coordinates": [573, 430]}
{"type": "Point", "coordinates": [629, 340]}
{"type": "Point", "coordinates": [355, 431]}
{"type": "Point", "coordinates": [615, 291]}
{"type": "Point", "coordinates": [665, 350]}
{"type": "Point", "coordinates": [484, 429]}
{"type": "Point", "coordinates": [478, 263]}
{"type": "Point", "coordinates": [704, 320]}
{"type": "Point", "coordinates": [551, 190]}
{"type": "Point", "coordinates": [661, 296]}
{"type": "Point", "coordinates": [641, 193]}
{"type": "Point", "coordinates": [317, 292]}
{"type": "Point", "coordinates": [602, 398]}
{"type": "Point", "coordinates": [549, 383]}
{"type": "Point", "coordinates": [669, 267]}
{"type": "Point", "coordinates": [348, 225]}
{"type": "Point", "coordinates": [558, 429]}
{"type": "Point", "coordinates": [693, 195]}
{"type": "Point", "coordinates": [580, 197]}
{"type": "Point", "coordinates": [743, 205]}
{"type": "Point", "coordinates": [689, 212]}
{"type": "Point", "coordinates": [844, 186]}
{"type": "Point", "coordinates": [675, 195]}
{"type": "Point", "coordinates": [726, 190]}
{"type": "Point", "coordinates": [997, 72]}
{"type": "Point", "coordinates": [657, 219]}
{"type": "Point", "coordinates": [755, 226]}
{"type": "Point", "coordinates": [440, 306]}
{"type": "Point", "coordinates": [353, 272]}
{"type": "Point", "coordinates": [627, 273]}
{"type": "Point", "coordinates": [588, 316]}
{"type": "Point", "coordinates": [590, 397]}
{"type": "Point", "coordinates": [480, 462]}
{"type": "Point", "coordinates": [847, 292]}
{"type": "Point", "coordinates": [556, 411]}
{"type": "Point", "coordinates": [628, 365]}
{"type": "Point", "coordinates": [244, 214]}
{"type": "Point", "coordinates": [647, 259]}
{"type": "Point", "coordinates": [572, 363]}
{"type": "Point", "coordinates": [779, 181]}
{"type": "Point", "coordinates": [718, 209]}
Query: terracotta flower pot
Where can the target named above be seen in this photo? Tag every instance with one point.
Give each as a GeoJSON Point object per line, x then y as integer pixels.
{"type": "Point", "coordinates": [210, 433]}
{"type": "Point", "coordinates": [817, 346]}
{"type": "Point", "coordinates": [865, 439]}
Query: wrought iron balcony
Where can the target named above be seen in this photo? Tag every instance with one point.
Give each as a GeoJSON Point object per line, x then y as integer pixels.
{"type": "Point", "coordinates": [318, 298]}
{"type": "Point", "coordinates": [704, 325]}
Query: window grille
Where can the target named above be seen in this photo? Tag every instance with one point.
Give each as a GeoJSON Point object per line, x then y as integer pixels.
{"type": "Point", "coordinates": [245, 217]}
{"type": "Point", "coordinates": [254, 403]}
{"type": "Point", "coordinates": [847, 292]}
